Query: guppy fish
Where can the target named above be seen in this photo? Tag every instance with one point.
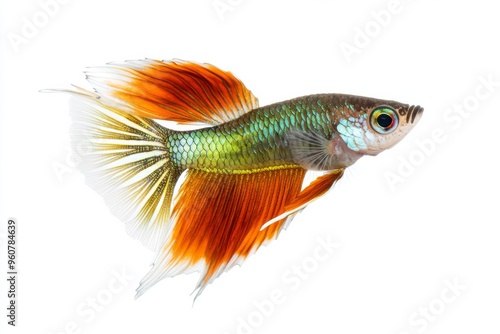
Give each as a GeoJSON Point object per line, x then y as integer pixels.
{"type": "Point", "coordinates": [243, 172]}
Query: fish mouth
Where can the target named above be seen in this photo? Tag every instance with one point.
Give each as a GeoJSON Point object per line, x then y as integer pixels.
{"type": "Point", "coordinates": [414, 114]}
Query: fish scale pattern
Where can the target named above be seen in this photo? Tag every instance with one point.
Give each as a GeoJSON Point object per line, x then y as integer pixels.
{"type": "Point", "coordinates": [256, 140]}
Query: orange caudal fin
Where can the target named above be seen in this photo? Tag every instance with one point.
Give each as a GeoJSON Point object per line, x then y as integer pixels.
{"type": "Point", "coordinates": [180, 91]}
{"type": "Point", "coordinates": [217, 218]}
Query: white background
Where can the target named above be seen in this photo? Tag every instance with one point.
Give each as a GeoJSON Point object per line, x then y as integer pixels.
{"type": "Point", "coordinates": [398, 246]}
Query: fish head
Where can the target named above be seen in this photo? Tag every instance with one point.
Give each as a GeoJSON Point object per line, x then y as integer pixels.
{"type": "Point", "coordinates": [370, 126]}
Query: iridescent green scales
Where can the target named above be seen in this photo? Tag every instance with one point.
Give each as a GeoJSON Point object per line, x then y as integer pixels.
{"type": "Point", "coordinates": [255, 140]}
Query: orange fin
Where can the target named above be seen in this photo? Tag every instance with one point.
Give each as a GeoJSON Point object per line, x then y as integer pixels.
{"type": "Point", "coordinates": [216, 221]}
{"type": "Point", "coordinates": [312, 192]}
{"type": "Point", "coordinates": [180, 91]}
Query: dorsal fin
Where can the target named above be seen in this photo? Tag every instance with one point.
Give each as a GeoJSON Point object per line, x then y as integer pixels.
{"type": "Point", "coordinates": [180, 91]}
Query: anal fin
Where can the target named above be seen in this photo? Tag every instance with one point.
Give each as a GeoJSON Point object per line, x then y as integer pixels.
{"type": "Point", "coordinates": [312, 192]}
{"type": "Point", "coordinates": [217, 219]}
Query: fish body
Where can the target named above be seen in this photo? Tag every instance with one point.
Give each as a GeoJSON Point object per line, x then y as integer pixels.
{"type": "Point", "coordinates": [261, 138]}
{"type": "Point", "coordinates": [244, 170]}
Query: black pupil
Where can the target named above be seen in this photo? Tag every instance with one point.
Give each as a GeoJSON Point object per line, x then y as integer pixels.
{"type": "Point", "coordinates": [384, 120]}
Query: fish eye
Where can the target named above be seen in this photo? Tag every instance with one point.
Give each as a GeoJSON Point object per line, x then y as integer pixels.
{"type": "Point", "coordinates": [384, 120]}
